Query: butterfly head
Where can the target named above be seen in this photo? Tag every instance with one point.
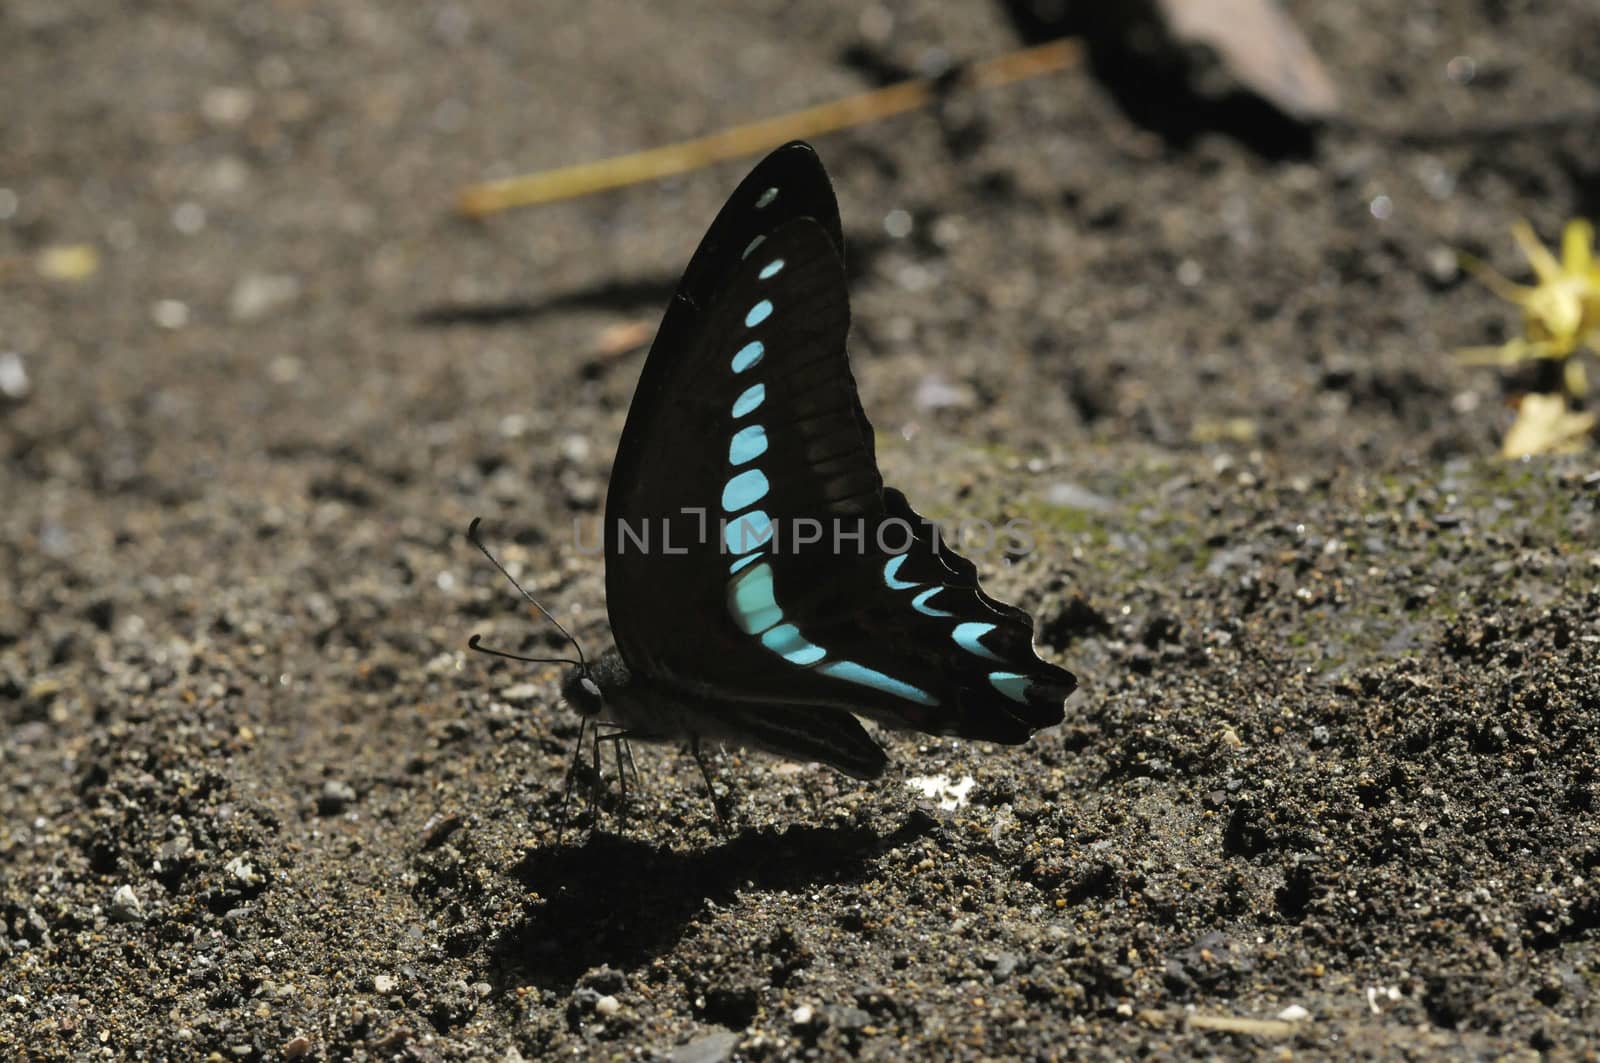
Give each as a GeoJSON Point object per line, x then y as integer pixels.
{"type": "Point", "coordinates": [582, 693]}
{"type": "Point", "coordinates": [592, 684]}
{"type": "Point", "coordinates": [582, 687]}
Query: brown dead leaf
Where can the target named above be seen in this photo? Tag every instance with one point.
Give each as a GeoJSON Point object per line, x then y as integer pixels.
{"type": "Point", "coordinates": [1262, 48]}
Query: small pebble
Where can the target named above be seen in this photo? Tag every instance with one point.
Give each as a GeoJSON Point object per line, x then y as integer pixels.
{"type": "Point", "coordinates": [169, 313]}
{"type": "Point", "coordinates": [393, 1039]}
{"type": "Point", "coordinates": [520, 693]}
{"type": "Point", "coordinates": [848, 1018]}
{"type": "Point", "coordinates": [439, 828]}
{"type": "Point", "coordinates": [1005, 965]}
{"type": "Point", "coordinates": [576, 449]}
{"type": "Point", "coordinates": [1072, 496]}
{"type": "Point", "coordinates": [296, 1047]}
{"type": "Point", "coordinates": [1443, 264]}
{"type": "Point", "coordinates": [14, 383]}
{"type": "Point", "coordinates": [335, 797]}
{"type": "Point", "coordinates": [1294, 1013]}
{"type": "Point", "coordinates": [803, 1015]}
{"type": "Point", "coordinates": [607, 1006]}
{"type": "Point", "coordinates": [125, 906]}
{"type": "Point", "coordinates": [227, 105]}
{"type": "Point", "coordinates": [712, 1048]}
{"type": "Point", "coordinates": [935, 392]}
{"type": "Point", "coordinates": [258, 295]}
{"type": "Point", "coordinates": [605, 979]}
{"type": "Point", "coordinates": [243, 871]}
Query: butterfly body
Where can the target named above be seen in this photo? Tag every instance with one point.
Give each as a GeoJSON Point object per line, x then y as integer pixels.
{"type": "Point", "coordinates": [764, 587]}
{"type": "Point", "coordinates": [658, 712]}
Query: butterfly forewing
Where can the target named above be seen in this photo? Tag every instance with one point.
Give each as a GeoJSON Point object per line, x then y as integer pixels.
{"type": "Point", "coordinates": [788, 184]}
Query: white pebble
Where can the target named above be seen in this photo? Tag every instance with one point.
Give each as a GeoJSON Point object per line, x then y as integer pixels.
{"type": "Point", "coordinates": [520, 693]}
{"type": "Point", "coordinates": [227, 105]}
{"type": "Point", "coordinates": [189, 218]}
{"type": "Point", "coordinates": [170, 313]}
{"type": "Point", "coordinates": [125, 906]}
{"type": "Point", "coordinates": [256, 295]}
{"type": "Point", "coordinates": [13, 376]}
{"type": "Point", "coordinates": [242, 871]}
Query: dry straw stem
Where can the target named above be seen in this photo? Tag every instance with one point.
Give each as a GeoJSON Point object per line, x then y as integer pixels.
{"type": "Point", "coordinates": [572, 181]}
{"type": "Point", "coordinates": [1237, 1024]}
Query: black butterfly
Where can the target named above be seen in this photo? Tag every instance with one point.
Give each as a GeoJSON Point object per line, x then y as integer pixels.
{"type": "Point", "coordinates": [746, 438]}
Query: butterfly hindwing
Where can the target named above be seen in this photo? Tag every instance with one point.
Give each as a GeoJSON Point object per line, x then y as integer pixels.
{"type": "Point", "coordinates": [913, 641]}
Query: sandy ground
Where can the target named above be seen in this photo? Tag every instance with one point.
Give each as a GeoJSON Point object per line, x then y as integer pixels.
{"type": "Point", "coordinates": [1335, 749]}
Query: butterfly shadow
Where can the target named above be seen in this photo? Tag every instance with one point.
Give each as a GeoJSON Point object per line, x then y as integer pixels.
{"type": "Point", "coordinates": [644, 295]}
{"type": "Point", "coordinates": [621, 296]}
{"type": "Point", "coordinates": [621, 901]}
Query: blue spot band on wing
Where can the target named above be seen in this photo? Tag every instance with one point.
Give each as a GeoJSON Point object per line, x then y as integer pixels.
{"type": "Point", "coordinates": [891, 572]}
{"type": "Point", "coordinates": [750, 600]}
{"type": "Point", "coordinates": [920, 603]}
{"type": "Point", "coordinates": [749, 400]}
{"type": "Point", "coordinates": [851, 672]}
{"type": "Point", "coordinates": [744, 490]}
{"type": "Point", "coordinates": [1010, 684]}
{"type": "Point", "coordinates": [786, 641]}
{"type": "Point", "coordinates": [747, 532]}
{"type": "Point", "coordinates": [747, 445]}
{"type": "Point", "coordinates": [967, 636]}
{"type": "Point", "coordinates": [748, 355]}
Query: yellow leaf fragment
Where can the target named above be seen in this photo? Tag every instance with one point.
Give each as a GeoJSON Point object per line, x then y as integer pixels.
{"type": "Point", "coordinates": [68, 262]}
{"type": "Point", "coordinates": [1544, 425]}
{"type": "Point", "coordinates": [1560, 313]}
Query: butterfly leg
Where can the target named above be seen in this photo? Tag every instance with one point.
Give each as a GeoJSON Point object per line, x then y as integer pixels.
{"type": "Point", "coordinates": [633, 767]}
{"type": "Point", "coordinates": [711, 791]}
{"type": "Point", "coordinates": [597, 783]}
{"type": "Point", "coordinates": [572, 775]}
{"type": "Point", "coordinates": [619, 742]}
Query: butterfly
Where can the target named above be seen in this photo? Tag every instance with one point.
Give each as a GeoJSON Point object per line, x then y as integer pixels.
{"type": "Point", "coordinates": [764, 587]}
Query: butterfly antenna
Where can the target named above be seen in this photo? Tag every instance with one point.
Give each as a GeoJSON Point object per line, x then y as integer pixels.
{"type": "Point", "coordinates": [474, 644]}
{"type": "Point", "coordinates": [582, 661]}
